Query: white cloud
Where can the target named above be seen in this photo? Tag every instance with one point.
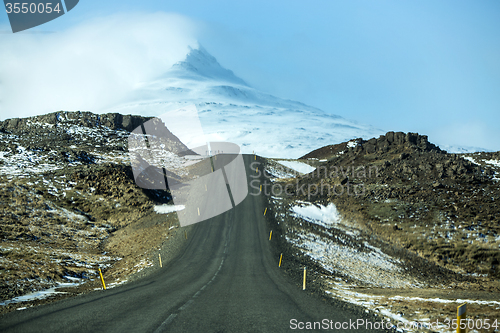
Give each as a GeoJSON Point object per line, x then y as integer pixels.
{"type": "Point", "coordinates": [89, 66]}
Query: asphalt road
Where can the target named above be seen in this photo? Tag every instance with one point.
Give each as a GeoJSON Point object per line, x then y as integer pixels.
{"type": "Point", "coordinates": [225, 280]}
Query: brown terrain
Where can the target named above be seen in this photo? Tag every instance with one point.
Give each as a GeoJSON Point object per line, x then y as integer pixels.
{"type": "Point", "coordinates": [69, 205]}
{"type": "Point", "coordinates": [415, 223]}
{"type": "Point", "coordinates": [436, 215]}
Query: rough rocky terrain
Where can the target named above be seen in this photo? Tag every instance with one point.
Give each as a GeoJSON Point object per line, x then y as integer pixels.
{"type": "Point", "coordinates": [442, 206]}
{"type": "Point", "coordinates": [70, 205]}
{"type": "Point", "coordinates": [407, 230]}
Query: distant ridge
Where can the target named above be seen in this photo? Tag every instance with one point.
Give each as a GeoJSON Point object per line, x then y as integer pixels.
{"type": "Point", "coordinates": [84, 118]}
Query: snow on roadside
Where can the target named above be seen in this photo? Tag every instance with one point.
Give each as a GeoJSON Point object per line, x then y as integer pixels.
{"type": "Point", "coordinates": [165, 209]}
{"type": "Point", "coordinates": [366, 264]}
{"type": "Point", "coordinates": [277, 171]}
{"type": "Point", "coordinates": [440, 300]}
{"type": "Point", "coordinates": [358, 266]}
{"type": "Point", "coordinates": [144, 263]}
{"type": "Point", "coordinates": [324, 216]}
{"type": "Point", "coordinates": [300, 167]}
{"type": "Point", "coordinates": [318, 214]}
{"type": "Point", "coordinates": [371, 267]}
{"type": "Point", "coordinates": [342, 250]}
{"type": "Point", "coordinates": [370, 302]}
{"type": "Point", "coordinates": [115, 284]}
{"type": "Point", "coordinates": [41, 294]}
{"type": "Point", "coordinates": [386, 306]}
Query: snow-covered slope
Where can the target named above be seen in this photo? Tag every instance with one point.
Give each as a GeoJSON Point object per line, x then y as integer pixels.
{"type": "Point", "coordinates": [230, 110]}
{"type": "Point", "coordinates": [462, 149]}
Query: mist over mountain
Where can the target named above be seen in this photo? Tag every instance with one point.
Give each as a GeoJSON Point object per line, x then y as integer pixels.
{"type": "Point", "coordinates": [230, 110]}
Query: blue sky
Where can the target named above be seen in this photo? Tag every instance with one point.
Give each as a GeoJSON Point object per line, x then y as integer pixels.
{"type": "Point", "coordinates": [431, 67]}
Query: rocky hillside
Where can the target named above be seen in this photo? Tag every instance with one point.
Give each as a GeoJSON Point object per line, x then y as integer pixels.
{"type": "Point", "coordinates": [113, 121]}
{"type": "Point", "coordinates": [393, 224]}
{"type": "Point", "coordinates": [442, 206]}
{"type": "Point", "coordinates": [67, 189]}
{"type": "Point", "coordinates": [390, 142]}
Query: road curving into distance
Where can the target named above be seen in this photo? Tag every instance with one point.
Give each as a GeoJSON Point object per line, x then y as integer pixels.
{"type": "Point", "coordinates": [225, 280]}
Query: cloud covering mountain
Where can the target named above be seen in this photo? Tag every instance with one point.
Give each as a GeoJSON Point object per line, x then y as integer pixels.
{"type": "Point", "coordinates": [90, 65]}
{"type": "Point", "coordinates": [230, 110]}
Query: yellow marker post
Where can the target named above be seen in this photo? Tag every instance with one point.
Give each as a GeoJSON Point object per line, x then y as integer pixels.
{"type": "Point", "coordinates": [261, 188]}
{"type": "Point", "coordinates": [256, 169]}
{"type": "Point", "coordinates": [102, 280]}
{"type": "Point", "coordinates": [255, 157]}
{"type": "Point", "coordinates": [281, 257]}
{"type": "Point", "coordinates": [265, 210]}
{"type": "Point", "coordinates": [159, 257]}
{"type": "Point", "coordinates": [461, 320]}
{"type": "Point", "coordinates": [304, 283]}
{"type": "Point", "coordinates": [270, 235]}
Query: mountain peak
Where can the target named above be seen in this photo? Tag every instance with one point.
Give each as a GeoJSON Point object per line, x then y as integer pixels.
{"type": "Point", "coordinates": [200, 63]}
{"type": "Point", "coordinates": [230, 110]}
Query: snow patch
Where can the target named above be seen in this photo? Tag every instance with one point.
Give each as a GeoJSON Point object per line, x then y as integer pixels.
{"type": "Point", "coordinates": [318, 214]}
{"type": "Point", "coordinates": [352, 144]}
{"type": "Point", "coordinates": [278, 172]}
{"type": "Point", "coordinates": [493, 162]}
{"type": "Point", "coordinates": [366, 266]}
{"type": "Point", "coordinates": [298, 166]}
{"type": "Point", "coordinates": [472, 160]}
{"type": "Point", "coordinates": [165, 209]}
{"type": "Point", "coordinates": [441, 300]}
{"type": "Point", "coordinates": [43, 293]}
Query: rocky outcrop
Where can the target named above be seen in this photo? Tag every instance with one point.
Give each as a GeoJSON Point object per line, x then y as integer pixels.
{"type": "Point", "coordinates": [396, 142]}
{"type": "Point", "coordinates": [113, 121]}
{"type": "Point", "coordinates": [74, 136]}
{"type": "Point", "coordinates": [442, 206]}
{"type": "Point", "coordinates": [391, 142]}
